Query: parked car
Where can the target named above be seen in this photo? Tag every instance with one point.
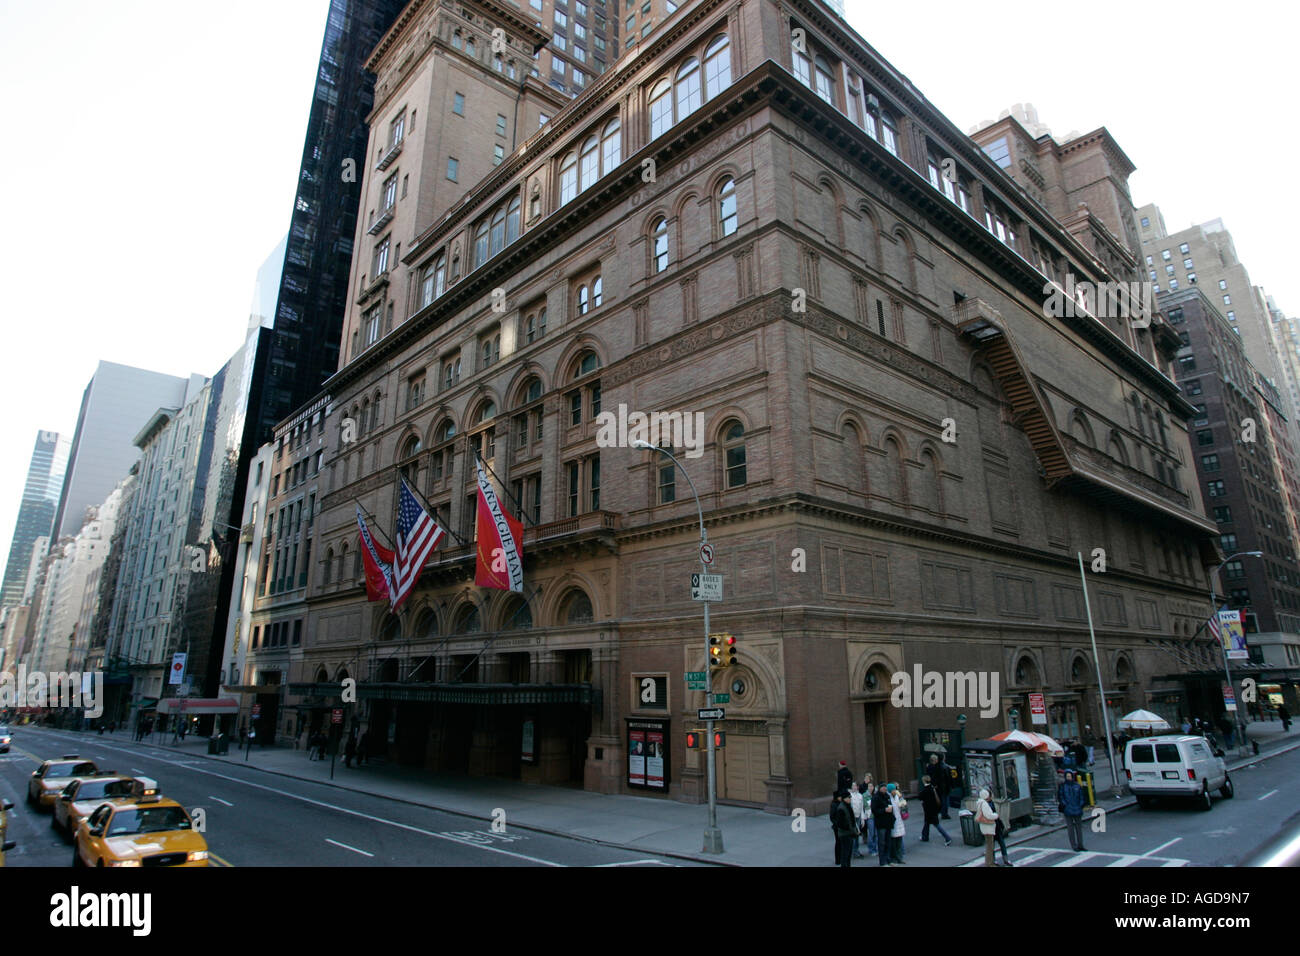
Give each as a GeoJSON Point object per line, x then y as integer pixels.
{"type": "Point", "coordinates": [1176, 765]}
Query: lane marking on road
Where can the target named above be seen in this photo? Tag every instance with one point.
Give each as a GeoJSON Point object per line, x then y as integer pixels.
{"type": "Point", "coordinates": [1267, 795]}
{"type": "Point", "coordinates": [220, 860]}
{"type": "Point", "coordinates": [137, 770]}
{"type": "Point", "coordinates": [346, 847]}
{"type": "Point", "coordinates": [219, 800]}
{"type": "Point", "coordinates": [358, 813]}
{"type": "Point", "coordinates": [1173, 863]}
{"type": "Point", "coordinates": [635, 863]}
{"type": "Point", "coordinates": [1160, 847]}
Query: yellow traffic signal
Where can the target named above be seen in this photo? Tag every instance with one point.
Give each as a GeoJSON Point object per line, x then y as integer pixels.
{"type": "Point", "coordinates": [715, 651]}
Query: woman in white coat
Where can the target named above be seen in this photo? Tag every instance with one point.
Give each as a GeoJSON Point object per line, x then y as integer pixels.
{"type": "Point", "coordinates": [987, 818]}
{"type": "Point", "coordinates": [896, 798]}
{"type": "Point", "coordinates": [855, 798]}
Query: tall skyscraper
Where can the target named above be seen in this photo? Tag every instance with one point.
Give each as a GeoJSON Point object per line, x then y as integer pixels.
{"type": "Point", "coordinates": [116, 404]}
{"type": "Point", "coordinates": [36, 513]}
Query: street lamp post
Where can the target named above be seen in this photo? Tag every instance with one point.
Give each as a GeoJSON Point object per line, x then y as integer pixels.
{"type": "Point", "coordinates": [1214, 610]}
{"type": "Point", "coordinates": [712, 835]}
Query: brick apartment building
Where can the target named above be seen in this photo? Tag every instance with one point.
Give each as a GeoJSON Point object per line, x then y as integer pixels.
{"type": "Point", "coordinates": [765, 233]}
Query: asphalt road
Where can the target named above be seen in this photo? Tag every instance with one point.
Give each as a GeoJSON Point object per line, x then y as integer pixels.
{"type": "Point", "coordinates": [256, 819]}
{"type": "Point", "coordinates": [1175, 834]}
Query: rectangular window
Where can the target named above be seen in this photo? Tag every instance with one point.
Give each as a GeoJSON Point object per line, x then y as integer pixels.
{"type": "Point", "coordinates": [1214, 489]}
{"type": "Point", "coordinates": [1145, 222]}
{"type": "Point", "coordinates": [498, 155]}
{"type": "Point", "coordinates": [1222, 514]}
{"type": "Point", "coordinates": [593, 482]}
{"type": "Point", "coordinates": [579, 31]}
{"type": "Point", "coordinates": [1149, 262]}
{"type": "Point", "coordinates": [501, 125]}
{"type": "Point", "coordinates": [458, 104]}
{"type": "Point", "coordinates": [1227, 300]}
{"type": "Point", "coordinates": [379, 265]}
{"type": "Point", "coordinates": [1184, 249]}
{"type": "Point", "coordinates": [667, 483]}
{"type": "Point", "coordinates": [1187, 264]}
{"type": "Point", "coordinates": [1209, 462]}
{"type": "Point", "coordinates": [1164, 254]}
{"type": "Point", "coordinates": [542, 120]}
{"type": "Point", "coordinates": [1223, 284]}
{"type": "Point", "coordinates": [1228, 542]}
{"type": "Point", "coordinates": [1187, 362]}
{"type": "Point", "coordinates": [397, 130]}
{"type": "Point", "coordinates": [1232, 316]}
{"type": "Point", "coordinates": [573, 489]}
{"type": "Point", "coordinates": [575, 408]}
{"type": "Point", "coordinates": [1205, 437]}
{"type": "Point", "coordinates": [560, 43]}
{"type": "Point", "coordinates": [453, 168]}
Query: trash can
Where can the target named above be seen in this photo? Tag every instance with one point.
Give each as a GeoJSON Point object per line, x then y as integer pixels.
{"type": "Point", "coordinates": [970, 830]}
{"type": "Point", "coordinates": [219, 745]}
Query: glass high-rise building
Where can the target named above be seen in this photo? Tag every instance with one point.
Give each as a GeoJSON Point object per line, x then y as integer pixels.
{"type": "Point", "coordinates": [36, 513]}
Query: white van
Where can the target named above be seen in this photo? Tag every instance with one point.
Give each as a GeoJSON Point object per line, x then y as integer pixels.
{"type": "Point", "coordinates": [1175, 765]}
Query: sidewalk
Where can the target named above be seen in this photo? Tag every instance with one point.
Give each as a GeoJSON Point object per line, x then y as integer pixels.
{"type": "Point", "coordinates": [650, 824]}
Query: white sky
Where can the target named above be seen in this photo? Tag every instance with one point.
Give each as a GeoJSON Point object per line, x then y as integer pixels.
{"type": "Point", "coordinates": [152, 150]}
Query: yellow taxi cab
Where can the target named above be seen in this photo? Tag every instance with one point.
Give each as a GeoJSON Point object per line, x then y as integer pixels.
{"type": "Point", "coordinates": [80, 798]}
{"type": "Point", "coordinates": [5, 844]}
{"type": "Point", "coordinates": [53, 775]}
{"type": "Point", "coordinates": [149, 831]}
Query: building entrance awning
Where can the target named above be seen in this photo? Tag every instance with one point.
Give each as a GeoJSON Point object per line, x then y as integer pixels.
{"type": "Point", "coordinates": [198, 705]}
{"type": "Point", "coordinates": [490, 694]}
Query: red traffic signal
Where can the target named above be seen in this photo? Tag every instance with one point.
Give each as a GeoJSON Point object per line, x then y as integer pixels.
{"type": "Point", "coordinates": [719, 739]}
{"type": "Point", "coordinates": [694, 739]}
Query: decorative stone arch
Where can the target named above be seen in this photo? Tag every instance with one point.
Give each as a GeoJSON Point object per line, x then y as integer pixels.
{"type": "Point", "coordinates": [515, 389]}
{"type": "Point", "coordinates": [399, 450]}
{"type": "Point", "coordinates": [1078, 668]}
{"type": "Point", "coordinates": [420, 615]}
{"type": "Point", "coordinates": [1079, 421]}
{"type": "Point", "coordinates": [875, 664]}
{"type": "Point", "coordinates": [872, 226]}
{"type": "Point", "coordinates": [682, 218]}
{"type": "Point", "coordinates": [851, 428]}
{"type": "Point", "coordinates": [904, 238]}
{"type": "Point", "coordinates": [764, 691]}
{"type": "Point", "coordinates": [928, 449]}
{"type": "Point", "coordinates": [657, 213]}
{"type": "Point", "coordinates": [1115, 447]}
{"type": "Point", "coordinates": [481, 397]}
{"type": "Point", "coordinates": [341, 675]}
{"type": "Point", "coordinates": [725, 171]}
{"type": "Point", "coordinates": [459, 611]}
{"type": "Point", "coordinates": [322, 675]}
{"type": "Point", "coordinates": [444, 413]}
{"type": "Point", "coordinates": [385, 626]}
{"type": "Point", "coordinates": [554, 603]}
{"type": "Point", "coordinates": [713, 429]}
{"type": "Point", "coordinates": [982, 378]}
{"type": "Point", "coordinates": [1034, 671]}
{"type": "Point", "coordinates": [826, 184]}
{"type": "Point", "coordinates": [503, 610]}
{"type": "Point", "coordinates": [1124, 671]}
{"type": "Point", "coordinates": [569, 357]}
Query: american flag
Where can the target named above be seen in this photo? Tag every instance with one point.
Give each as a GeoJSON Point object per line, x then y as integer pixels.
{"type": "Point", "coordinates": [417, 535]}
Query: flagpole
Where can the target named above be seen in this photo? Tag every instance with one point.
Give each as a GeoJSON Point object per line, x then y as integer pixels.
{"type": "Point", "coordinates": [372, 518]}
{"type": "Point", "coordinates": [536, 589]}
{"type": "Point", "coordinates": [1101, 686]}
{"type": "Point", "coordinates": [446, 526]}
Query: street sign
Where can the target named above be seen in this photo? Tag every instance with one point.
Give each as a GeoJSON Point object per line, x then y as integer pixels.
{"type": "Point", "coordinates": [722, 698]}
{"type": "Point", "coordinates": [706, 553]}
{"type": "Point", "coordinates": [1037, 709]}
{"type": "Point", "coordinates": [336, 715]}
{"type": "Point", "coordinates": [712, 713]}
{"type": "Point", "coordinates": [696, 685]}
{"type": "Point", "coordinates": [696, 675]}
{"type": "Point", "coordinates": [706, 587]}
{"type": "Point", "coordinates": [1229, 698]}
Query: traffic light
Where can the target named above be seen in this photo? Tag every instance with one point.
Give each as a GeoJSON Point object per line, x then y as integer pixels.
{"type": "Point", "coordinates": [694, 739]}
{"type": "Point", "coordinates": [722, 650]}
{"type": "Point", "coordinates": [719, 739]}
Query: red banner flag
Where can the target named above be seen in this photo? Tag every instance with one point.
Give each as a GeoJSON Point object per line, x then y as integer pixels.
{"type": "Point", "coordinates": [378, 562]}
{"type": "Point", "coordinates": [500, 536]}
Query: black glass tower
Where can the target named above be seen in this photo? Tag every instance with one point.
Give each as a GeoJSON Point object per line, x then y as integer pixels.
{"type": "Point", "coordinates": [300, 350]}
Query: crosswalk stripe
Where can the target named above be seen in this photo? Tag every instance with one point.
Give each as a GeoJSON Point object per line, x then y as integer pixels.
{"type": "Point", "coordinates": [1125, 859]}
{"type": "Point", "coordinates": [1078, 858]}
{"type": "Point", "coordinates": [1035, 856]}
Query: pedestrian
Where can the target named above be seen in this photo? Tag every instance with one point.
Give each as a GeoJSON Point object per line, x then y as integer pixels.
{"type": "Point", "coordinates": [1069, 800]}
{"type": "Point", "coordinates": [101, 728]}
{"type": "Point", "coordinates": [350, 749]}
{"type": "Point", "coordinates": [1228, 731]}
{"type": "Point", "coordinates": [843, 777]}
{"type": "Point", "coordinates": [898, 831]}
{"type": "Point", "coordinates": [855, 801]}
{"type": "Point", "coordinates": [882, 811]}
{"type": "Point", "coordinates": [1080, 755]}
{"type": "Point", "coordinates": [999, 834]}
{"type": "Point", "coordinates": [930, 806]}
{"type": "Point", "coordinates": [846, 828]}
{"type": "Point", "coordinates": [1285, 716]}
{"type": "Point", "coordinates": [1185, 725]}
{"type": "Point", "coordinates": [832, 816]}
{"type": "Point", "coordinates": [868, 819]}
{"type": "Point", "coordinates": [363, 747]}
{"type": "Point", "coordinates": [941, 775]}
{"type": "Point", "coordinates": [112, 726]}
{"type": "Point", "coordinates": [987, 818]}
{"type": "Point", "coordinates": [1090, 744]}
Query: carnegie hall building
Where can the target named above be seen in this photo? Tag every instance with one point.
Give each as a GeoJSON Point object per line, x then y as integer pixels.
{"type": "Point", "coordinates": [753, 220]}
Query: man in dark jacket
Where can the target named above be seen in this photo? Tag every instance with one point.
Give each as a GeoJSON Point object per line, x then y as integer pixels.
{"type": "Point", "coordinates": [843, 778]}
{"type": "Point", "coordinates": [882, 810]}
{"type": "Point", "coordinates": [1285, 716]}
{"type": "Point", "coordinates": [846, 828]}
{"type": "Point", "coordinates": [930, 804]}
{"type": "Point", "coordinates": [350, 750]}
{"type": "Point", "coordinates": [1070, 802]}
{"type": "Point", "coordinates": [941, 775]}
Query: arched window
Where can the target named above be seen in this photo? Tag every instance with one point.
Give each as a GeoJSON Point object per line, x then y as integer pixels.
{"type": "Point", "coordinates": [727, 207]}
{"type": "Point", "coordinates": [517, 615]}
{"type": "Point", "coordinates": [930, 497]}
{"type": "Point", "coordinates": [445, 432]}
{"type": "Point", "coordinates": [481, 244]}
{"type": "Point", "coordinates": [894, 474]}
{"type": "Point", "coordinates": [469, 47]}
{"type": "Point", "coordinates": [327, 572]}
{"type": "Point", "coordinates": [824, 80]}
{"type": "Point", "coordinates": [587, 363]}
{"type": "Point", "coordinates": [486, 412]}
{"type": "Point", "coordinates": [577, 608]}
{"type": "Point", "coordinates": [532, 390]}
{"type": "Point", "coordinates": [497, 63]}
{"type": "Point", "coordinates": [435, 280]}
{"type": "Point", "coordinates": [799, 54]}
{"type": "Point", "coordinates": [467, 620]}
{"type": "Point", "coordinates": [568, 178]}
{"type": "Point", "coordinates": [364, 424]}
{"type": "Point", "coordinates": [734, 457]}
{"type": "Point", "coordinates": [854, 465]}
{"type": "Point", "coordinates": [410, 448]}
{"type": "Point", "coordinates": [688, 88]}
{"type": "Point", "coordinates": [584, 300]}
{"type": "Point", "coordinates": [535, 325]}
{"type": "Point", "coordinates": [869, 122]}
{"type": "Point", "coordinates": [659, 245]}
{"type": "Point", "coordinates": [510, 69]}
{"type": "Point", "coordinates": [611, 148]}
{"type": "Point", "coordinates": [888, 133]}
{"type": "Point", "coordinates": [661, 108]}
{"type": "Point", "coordinates": [588, 164]}
{"type": "Point", "coordinates": [457, 41]}
{"type": "Point", "coordinates": [717, 66]}
{"type": "Point", "coordinates": [596, 296]}
{"type": "Point", "coordinates": [498, 230]}
{"type": "Point", "coordinates": [512, 220]}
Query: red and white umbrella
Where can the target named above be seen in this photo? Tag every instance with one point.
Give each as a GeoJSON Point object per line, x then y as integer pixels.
{"type": "Point", "coordinates": [1036, 743]}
